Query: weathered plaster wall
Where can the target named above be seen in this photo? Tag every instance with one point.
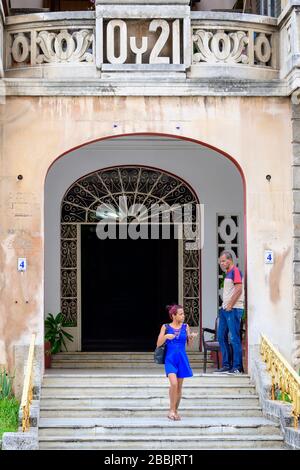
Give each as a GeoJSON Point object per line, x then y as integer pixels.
{"type": "Point", "coordinates": [256, 132]}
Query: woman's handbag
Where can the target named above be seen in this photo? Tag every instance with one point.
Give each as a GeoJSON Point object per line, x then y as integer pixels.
{"type": "Point", "coordinates": [159, 354]}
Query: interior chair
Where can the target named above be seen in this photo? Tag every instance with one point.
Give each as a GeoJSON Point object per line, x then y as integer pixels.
{"type": "Point", "coordinates": [213, 345]}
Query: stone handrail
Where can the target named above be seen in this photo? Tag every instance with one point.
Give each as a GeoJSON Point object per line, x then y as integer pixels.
{"type": "Point", "coordinates": [27, 394]}
{"type": "Point", "coordinates": [283, 375]}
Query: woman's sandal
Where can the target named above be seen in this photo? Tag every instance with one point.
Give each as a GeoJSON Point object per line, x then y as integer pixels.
{"type": "Point", "coordinates": [177, 417]}
{"type": "Point", "coordinates": [172, 416]}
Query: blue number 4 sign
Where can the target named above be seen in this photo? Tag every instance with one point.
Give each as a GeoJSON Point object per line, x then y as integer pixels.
{"type": "Point", "coordinates": [269, 259]}
{"type": "Point", "coordinates": [21, 264]}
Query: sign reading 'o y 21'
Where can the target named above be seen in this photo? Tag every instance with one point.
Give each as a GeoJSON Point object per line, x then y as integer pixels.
{"type": "Point", "coordinates": [154, 42]}
{"type": "Point", "coordinates": [140, 37]}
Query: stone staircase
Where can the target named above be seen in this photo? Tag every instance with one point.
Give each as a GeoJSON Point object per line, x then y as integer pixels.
{"type": "Point", "coordinates": [123, 408]}
{"type": "Point", "coordinates": [109, 360]}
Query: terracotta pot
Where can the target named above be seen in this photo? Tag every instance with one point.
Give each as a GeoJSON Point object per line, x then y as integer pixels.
{"type": "Point", "coordinates": [47, 353]}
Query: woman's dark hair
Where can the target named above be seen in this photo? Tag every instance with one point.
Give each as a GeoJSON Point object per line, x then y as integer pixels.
{"type": "Point", "coordinates": [172, 309]}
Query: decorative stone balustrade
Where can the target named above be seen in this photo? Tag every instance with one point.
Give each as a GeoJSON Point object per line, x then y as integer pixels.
{"type": "Point", "coordinates": [51, 39]}
{"type": "Point", "coordinates": [245, 48]}
{"type": "Point", "coordinates": [193, 51]}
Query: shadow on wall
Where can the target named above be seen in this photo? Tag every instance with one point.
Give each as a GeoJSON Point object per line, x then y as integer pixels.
{"type": "Point", "coordinates": [275, 275]}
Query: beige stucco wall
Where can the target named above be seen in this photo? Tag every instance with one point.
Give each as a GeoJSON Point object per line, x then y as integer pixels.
{"type": "Point", "coordinates": [256, 132]}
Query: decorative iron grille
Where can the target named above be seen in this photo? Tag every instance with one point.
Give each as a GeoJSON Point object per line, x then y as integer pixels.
{"type": "Point", "coordinates": [229, 238]}
{"type": "Point", "coordinates": [140, 185]}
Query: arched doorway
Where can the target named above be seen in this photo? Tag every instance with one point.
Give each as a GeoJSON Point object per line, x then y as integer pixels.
{"type": "Point", "coordinates": [118, 288]}
{"type": "Point", "coordinates": [210, 175]}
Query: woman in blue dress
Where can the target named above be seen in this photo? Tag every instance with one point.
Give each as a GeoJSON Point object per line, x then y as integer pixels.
{"type": "Point", "coordinates": [176, 335]}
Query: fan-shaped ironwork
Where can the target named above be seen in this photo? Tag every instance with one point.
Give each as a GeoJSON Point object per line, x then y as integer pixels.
{"type": "Point", "coordinates": [106, 188]}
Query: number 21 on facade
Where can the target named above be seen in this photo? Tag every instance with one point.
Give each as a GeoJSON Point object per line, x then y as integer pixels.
{"type": "Point", "coordinates": [126, 44]}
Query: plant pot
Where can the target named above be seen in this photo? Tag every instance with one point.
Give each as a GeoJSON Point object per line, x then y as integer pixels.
{"type": "Point", "coordinates": [47, 353]}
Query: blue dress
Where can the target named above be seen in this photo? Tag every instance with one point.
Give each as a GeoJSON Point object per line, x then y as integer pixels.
{"type": "Point", "coordinates": [176, 360]}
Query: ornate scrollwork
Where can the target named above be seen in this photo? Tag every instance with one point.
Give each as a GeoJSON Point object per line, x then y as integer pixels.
{"type": "Point", "coordinates": [191, 310]}
{"type": "Point", "coordinates": [68, 254]}
{"type": "Point", "coordinates": [69, 282]}
{"type": "Point", "coordinates": [64, 46]}
{"type": "Point", "coordinates": [228, 239]}
{"type": "Point", "coordinates": [215, 46]}
{"type": "Point", "coordinates": [191, 282]}
{"type": "Point", "coordinates": [220, 47]}
{"type": "Point", "coordinates": [68, 231]}
{"type": "Point", "coordinates": [191, 258]}
{"type": "Point", "coordinates": [137, 185]}
{"type": "Point", "coordinates": [69, 310]}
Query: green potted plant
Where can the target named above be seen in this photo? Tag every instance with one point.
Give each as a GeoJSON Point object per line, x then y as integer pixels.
{"type": "Point", "coordinates": [55, 336]}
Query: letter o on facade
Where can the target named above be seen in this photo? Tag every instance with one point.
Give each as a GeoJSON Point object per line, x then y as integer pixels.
{"type": "Point", "coordinates": [110, 36]}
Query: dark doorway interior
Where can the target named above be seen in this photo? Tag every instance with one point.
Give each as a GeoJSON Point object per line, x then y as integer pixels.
{"type": "Point", "coordinates": [125, 285]}
{"type": "Point", "coordinates": [69, 5]}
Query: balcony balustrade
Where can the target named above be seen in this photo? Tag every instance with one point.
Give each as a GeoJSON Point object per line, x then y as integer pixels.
{"type": "Point", "coordinates": [121, 43]}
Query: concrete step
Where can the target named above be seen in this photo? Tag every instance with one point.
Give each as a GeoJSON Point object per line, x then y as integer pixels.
{"type": "Point", "coordinates": [150, 400]}
{"type": "Point", "coordinates": [117, 360]}
{"type": "Point", "coordinates": [140, 411]}
{"type": "Point", "coordinates": [121, 354]}
{"type": "Point", "coordinates": [162, 442]}
{"type": "Point", "coordinates": [133, 390]}
{"type": "Point", "coordinates": [109, 364]}
{"type": "Point", "coordinates": [125, 408]}
{"type": "Point", "coordinates": [124, 378]}
{"type": "Point", "coordinates": [152, 427]}
{"type": "Point", "coordinates": [115, 356]}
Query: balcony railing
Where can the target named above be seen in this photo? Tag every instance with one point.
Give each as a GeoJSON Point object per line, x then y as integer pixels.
{"type": "Point", "coordinates": [258, 7]}
{"type": "Point", "coordinates": [283, 375]}
{"type": "Point", "coordinates": [246, 47]}
{"type": "Point", "coordinates": [51, 39]}
{"type": "Point", "coordinates": [27, 394]}
{"type": "Point", "coordinates": [69, 39]}
{"type": "Point", "coordinates": [205, 45]}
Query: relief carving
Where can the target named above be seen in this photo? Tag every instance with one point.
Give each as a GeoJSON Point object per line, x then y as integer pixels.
{"type": "Point", "coordinates": [220, 47]}
{"type": "Point", "coordinates": [20, 49]}
{"type": "Point", "coordinates": [65, 46]}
